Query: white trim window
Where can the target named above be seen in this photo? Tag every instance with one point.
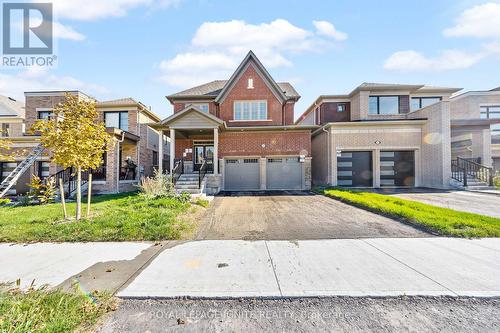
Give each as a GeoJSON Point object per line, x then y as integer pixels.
{"type": "Point", "coordinates": [202, 106]}
{"type": "Point", "coordinates": [250, 110]}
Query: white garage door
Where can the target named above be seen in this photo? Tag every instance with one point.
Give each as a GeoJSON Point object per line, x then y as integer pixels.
{"type": "Point", "coordinates": [284, 173]}
{"type": "Point", "coordinates": [241, 174]}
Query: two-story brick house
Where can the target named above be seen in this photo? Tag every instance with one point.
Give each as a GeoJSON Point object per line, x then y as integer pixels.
{"type": "Point", "coordinates": [242, 131]}
{"type": "Point", "coordinates": [382, 135]}
{"type": "Point", "coordinates": [126, 121]}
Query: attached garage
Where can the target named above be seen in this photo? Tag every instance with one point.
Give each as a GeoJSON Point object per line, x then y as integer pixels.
{"type": "Point", "coordinates": [284, 173]}
{"type": "Point", "coordinates": [241, 174]}
{"type": "Point", "coordinates": [397, 168]}
{"type": "Point", "coordinates": [354, 169]}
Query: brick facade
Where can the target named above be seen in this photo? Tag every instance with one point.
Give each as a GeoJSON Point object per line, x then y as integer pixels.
{"type": "Point", "coordinates": [265, 143]}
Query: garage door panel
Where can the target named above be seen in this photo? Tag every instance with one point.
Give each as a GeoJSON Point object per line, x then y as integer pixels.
{"type": "Point", "coordinates": [354, 168]}
{"type": "Point", "coordinates": [284, 173]}
{"type": "Point", "coordinates": [397, 168]}
{"type": "Point", "coordinates": [241, 174]}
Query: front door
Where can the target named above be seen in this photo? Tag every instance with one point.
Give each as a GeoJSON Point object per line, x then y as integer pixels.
{"type": "Point", "coordinates": [202, 153]}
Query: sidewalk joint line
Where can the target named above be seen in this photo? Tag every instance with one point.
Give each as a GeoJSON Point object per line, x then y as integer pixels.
{"type": "Point", "coordinates": [413, 269]}
{"type": "Point", "coordinates": [274, 271]}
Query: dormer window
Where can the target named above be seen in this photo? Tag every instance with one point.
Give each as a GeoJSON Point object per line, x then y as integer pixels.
{"type": "Point", "coordinates": [250, 83]}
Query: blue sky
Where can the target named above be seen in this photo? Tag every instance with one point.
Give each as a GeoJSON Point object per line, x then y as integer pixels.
{"type": "Point", "coordinates": [147, 49]}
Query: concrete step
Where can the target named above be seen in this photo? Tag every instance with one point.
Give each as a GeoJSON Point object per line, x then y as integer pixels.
{"type": "Point", "coordinates": [184, 187]}
{"type": "Point", "coordinates": [189, 190]}
{"type": "Point", "coordinates": [187, 181]}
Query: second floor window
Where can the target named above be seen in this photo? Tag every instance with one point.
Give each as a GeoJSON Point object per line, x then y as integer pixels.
{"type": "Point", "coordinates": [422, 102]}
{"type": "Point", "coordinates": [340, 107]}
{"type": "Point", "coordinates": [491, 112]}
{"type": "Point", "coordinates": [116, 120]}
{"type": "Point", "coordinates": [383, 105]}
{"type": "Point", "coordinates": [202, 106]}
{"type": "Point", "coordinates": [44, 115]}
{"type": "Point", "coordinates": [250, 110]}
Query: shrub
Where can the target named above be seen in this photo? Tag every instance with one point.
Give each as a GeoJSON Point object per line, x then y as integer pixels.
{"type": "Point", "coordinates": [184, 197]}
{"type": "Point", "coordinates": [157, 186]}
{"type": "Point", "coordinates": [42, 192]}
{"type": "Point", "coordinates": [4, 201]}
{"type": "Point", "coordinates": [496, 180]}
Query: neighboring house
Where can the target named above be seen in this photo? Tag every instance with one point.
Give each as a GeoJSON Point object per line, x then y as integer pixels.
{"type": "Point", "coordinates": [241, 131]}
{"type": "Point", "coordinates": [475, 121]}
{"type": "Point", "coordinates": [382, 135]}
{"type": "Point", "coordinates": [126, 120]}
{"type": "Point", "coordinates": [12, 128]}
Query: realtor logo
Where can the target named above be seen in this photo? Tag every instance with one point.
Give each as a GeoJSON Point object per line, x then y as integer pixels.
{"type": "Point", "coordinates": [27, 34]}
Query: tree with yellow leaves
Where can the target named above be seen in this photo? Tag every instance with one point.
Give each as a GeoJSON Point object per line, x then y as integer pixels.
{"type": "Point", "coordinates": [75, 138]}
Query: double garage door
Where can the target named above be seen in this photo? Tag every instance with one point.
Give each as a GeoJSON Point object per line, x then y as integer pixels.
{"type": "Point", "coordinates": [244, 174]}
{"type": "Point", "coordinates": [355, 168]}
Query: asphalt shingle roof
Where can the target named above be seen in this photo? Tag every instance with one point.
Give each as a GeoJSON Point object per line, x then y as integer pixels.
{"type": "Point", "coordinates": [212, 89]}
{"type": "Point", "coordinates": [9, 107]}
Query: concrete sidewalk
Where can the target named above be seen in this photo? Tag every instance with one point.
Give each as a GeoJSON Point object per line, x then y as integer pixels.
{"type": "Point", "coordinates": [53, 264]}
{"type": "Point", "coordinates": [351, 267]}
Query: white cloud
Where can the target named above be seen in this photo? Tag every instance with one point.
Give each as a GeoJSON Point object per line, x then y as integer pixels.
{"type": "Point", "coordinates": [481, 21]}
{"type": "Point", "coordinates": [217, 48]}
{"type": "Point", "coordinates": [87, 10]}
{"type": "Point", "coordinates": [39, 78]}
{"type": "Point", "coordinates": [447, 60]}
{"type": "Point", "coordinates": [66, 32]}
{"type": "Point", "coordinates": [325, 28]}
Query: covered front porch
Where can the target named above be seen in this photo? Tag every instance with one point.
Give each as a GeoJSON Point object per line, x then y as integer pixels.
{"type": "Point", "coordinates": [194, 149]}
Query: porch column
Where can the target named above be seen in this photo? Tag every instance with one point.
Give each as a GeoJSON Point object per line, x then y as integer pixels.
{"type": "Point", "coordinates": [172, 149]}
{"type": "Point", "coordinates": [216, 151]}
{"type": "Point", "coordinates": [160, 152]}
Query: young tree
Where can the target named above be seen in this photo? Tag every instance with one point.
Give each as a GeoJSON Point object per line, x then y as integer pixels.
{"type": "Point", "coordinates": [75, 138]}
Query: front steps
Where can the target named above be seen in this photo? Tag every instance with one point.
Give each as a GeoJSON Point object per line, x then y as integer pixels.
{"type": "Point", "coordinates": [473, 184]}
{"type": "Point", "coordinates": [188, 182]}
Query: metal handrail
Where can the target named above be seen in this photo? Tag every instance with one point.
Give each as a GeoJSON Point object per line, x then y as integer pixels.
{"type": "Point", "coordinates": [177, 170]}
{"type": "Point", "coordinates": [462, 168]}
{"type": "Point", "coordinates": [202, 172]}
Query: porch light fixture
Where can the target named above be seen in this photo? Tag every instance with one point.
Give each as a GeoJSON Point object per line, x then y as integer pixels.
{"type": "Point", "coordinates": [378, 142]}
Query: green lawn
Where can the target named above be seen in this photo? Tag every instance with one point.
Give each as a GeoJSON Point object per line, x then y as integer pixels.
{"type": "Point", "coordinates": [117, 217]}
{"type": "Point", "coordinates": [442, 221]}
{"type": "Point", "coordinates": [50, 311]}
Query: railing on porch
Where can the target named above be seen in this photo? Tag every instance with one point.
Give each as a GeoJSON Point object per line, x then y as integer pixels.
{"type": "Point", "coordinates": [202, 172]}
{"type": "Point", "coordinates": [70, 179]}
{"type": "Point", "coordinates": [99, 173]}
{"type": "Point", "coordinates": [177, 170]}
{"type": "Point", "coordinates": [462, 169]}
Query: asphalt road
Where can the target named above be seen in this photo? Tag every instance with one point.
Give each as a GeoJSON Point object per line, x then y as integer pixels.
{"type": "Point", "coordinates": [339, 314]}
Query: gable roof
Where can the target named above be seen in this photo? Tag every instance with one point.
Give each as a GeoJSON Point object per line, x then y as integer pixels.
{"type": "Point", "coordinates": [9, 107]}
{"type": "Point", "coordinates": [251, 58]}
{"type": "Point", "coordinates": [218, 88]}
{"type": "Point", "coordinates": [188, 109]}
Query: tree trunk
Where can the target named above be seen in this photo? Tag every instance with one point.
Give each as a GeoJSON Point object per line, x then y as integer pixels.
{"type": "Point", "coordinates": [79, 194]}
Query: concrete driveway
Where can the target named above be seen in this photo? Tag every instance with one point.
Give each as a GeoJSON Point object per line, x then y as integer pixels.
{"type": "Point", "coordinates": [478, 203]}
{"type": "Point", "coordinates": [294, 215]}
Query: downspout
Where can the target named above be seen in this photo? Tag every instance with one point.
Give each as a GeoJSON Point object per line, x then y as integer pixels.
{"type": "Point", "coordinates": [118, 164]}
{"type": "Point", "coordinates": [328, 154]}
{"type": "Point", "coordinates": [138, 148]}
{"type": "Point", "coordinates": [283, 113]}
